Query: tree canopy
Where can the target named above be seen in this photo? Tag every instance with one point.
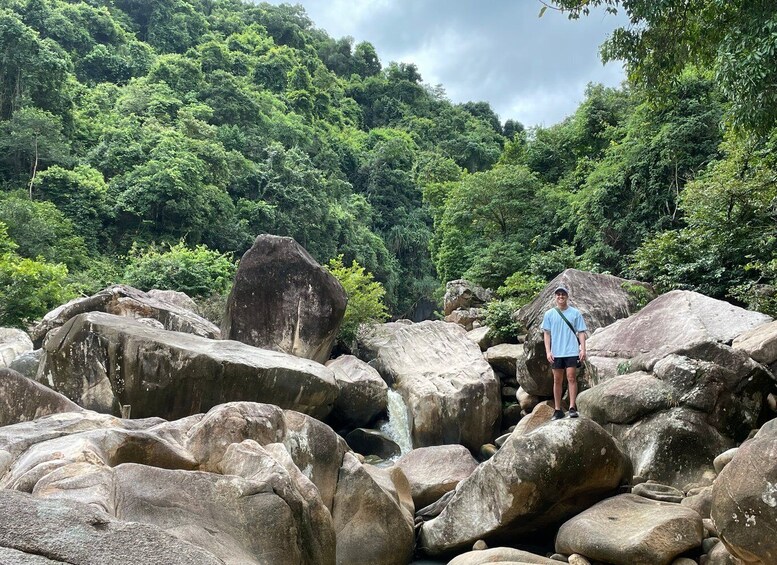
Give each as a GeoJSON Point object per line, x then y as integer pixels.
{"type": "Point", "coordinates": [129, 128]}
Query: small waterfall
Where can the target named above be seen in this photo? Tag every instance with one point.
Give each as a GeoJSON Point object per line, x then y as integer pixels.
{"type": "Point", "coordinates": [398, 425]}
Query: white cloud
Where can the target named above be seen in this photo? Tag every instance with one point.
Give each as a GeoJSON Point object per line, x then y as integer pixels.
{"type": "Point", "coordinates": [530, 69]}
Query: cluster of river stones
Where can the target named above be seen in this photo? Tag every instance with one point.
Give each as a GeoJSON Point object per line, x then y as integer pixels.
{"type": "Point", "coordinates": [134, 431]}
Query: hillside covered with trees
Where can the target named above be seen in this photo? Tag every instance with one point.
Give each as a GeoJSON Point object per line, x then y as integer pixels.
{"type": "Point", "coordinates": [150, 141]}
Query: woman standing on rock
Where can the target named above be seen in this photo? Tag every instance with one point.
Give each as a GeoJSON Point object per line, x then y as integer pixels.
{"type": "Point", "coordinates": [564, 332]}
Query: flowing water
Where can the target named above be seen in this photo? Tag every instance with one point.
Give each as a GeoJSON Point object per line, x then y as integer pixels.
{"type": "Point", "coordinates": [398, 425]}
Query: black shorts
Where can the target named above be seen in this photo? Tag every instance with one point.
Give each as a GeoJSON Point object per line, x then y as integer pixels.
{"type": "Point", "coordinates": [566, 362]}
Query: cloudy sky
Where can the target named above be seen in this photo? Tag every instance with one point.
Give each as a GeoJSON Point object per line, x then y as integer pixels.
{"type": "Point", "coordinates": [530, 69]}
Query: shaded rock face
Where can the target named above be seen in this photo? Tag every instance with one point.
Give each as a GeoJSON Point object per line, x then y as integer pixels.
{"type": "Point", "coordinates": [505, 357]}
{"type": "Point", "coordinates": [284, 300]}
{"type": "Point", "coordinates": [433, 471]}
{"type": "Point", "coordinates": [601, 299]}
{"type": "Point", "coordinates": [372, 442]}
{"type": "Point", "coordinates": [102, 361]}
{"type": "Point", "coordinates": [373, 515]}
{"type": "Point", "coordinates": [535, 480]}
{"type": "Point", "coordinates": [744, 501]}
{"type": "Point", "coordinates": [632, 529]}
{"type": "Point", "coordinates": [101, 538]}
{"type": "Point", "coordinates": [363, 392]}
{"type": "Point", "coordinates": [245, 483]}
{"type": "Point", "coordinates": [462, 294]}
{"type": "Point", "coordinates": [22, 399]}
{"type": "Point", "coordinates": [27, 363]}
{"type": "Point", "coordinates": [666, 325]}
{"type": "Point", "coordinates": [123, 300]}
{"type": "Point", "coordinates": [451, 392]}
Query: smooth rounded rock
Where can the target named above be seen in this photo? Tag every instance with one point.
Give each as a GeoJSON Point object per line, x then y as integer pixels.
{"type": "Point", "coordinates": [535, 480]}
{"type": "Point", "coordinates": [500, 555]}
{"type": "Point", "coordinates": [433, 471]}
{"type": "Point", "coordinates": [724, 459]}
{"type": "Point", "coordinates": [657, 491]}
{"type": "Point", "coordinates": [632, 529]}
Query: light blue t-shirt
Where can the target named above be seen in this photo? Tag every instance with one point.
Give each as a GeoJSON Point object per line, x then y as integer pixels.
{"type": "Point", "coordinates": [563, 341]}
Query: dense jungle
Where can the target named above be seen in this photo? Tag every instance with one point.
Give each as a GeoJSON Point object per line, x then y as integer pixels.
{"type": "Point", "coordinates": [150, 141]}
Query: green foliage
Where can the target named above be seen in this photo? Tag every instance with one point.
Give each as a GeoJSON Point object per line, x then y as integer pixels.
{"type": "Point", "coordinates": [521, 288]}
{"type": "Point", "coordinates": [31, 140]}
{"type": "Point", "coordinates": [198, 272]}
{"type": "Point", "coordinates": [729, 237]}
{"type": "Point", "coordinates": [28, 288]}
{"type": "Point", "coordinates": [41, 231]}
{"type": "Point", "coordinates": [548, 264]}
{"type": "Point", "coordinates": [365, 297]}
{"type": "Point", "coordinates": [759, 294]}
{"type": "Point", "coordinates": [633, 191]}
{"type": "Point", "coordinates": [132, 122]}
{"type": "Point", "coordinates": [736, 40]}
{"type": "Point", "coordinates": [500, 322]}
{"type": "Point", "coordinates": [640, 293]}
{"type": "Point", "coordinates": [81, 195]}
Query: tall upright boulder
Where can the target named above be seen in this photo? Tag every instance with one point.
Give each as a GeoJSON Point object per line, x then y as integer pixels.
{"type": "Point", "coordinates": [284, 300]}
{"type": "Point", "coordinates": [451, 392]}
{"type": "Point", "coordinates": [602, 299]}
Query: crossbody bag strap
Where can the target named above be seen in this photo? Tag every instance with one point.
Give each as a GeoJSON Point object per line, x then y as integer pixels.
{"type": "Point", "coordinates": [568, 323]}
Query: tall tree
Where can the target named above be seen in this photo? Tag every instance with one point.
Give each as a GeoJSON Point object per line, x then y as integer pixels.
{"type": "Point", "coordinates": [737, 39]}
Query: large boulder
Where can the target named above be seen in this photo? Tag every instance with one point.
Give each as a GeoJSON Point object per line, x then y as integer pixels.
{"type": "Point", "coordinates": [602, 299]}
{"type": "Point", "coordinates": [22, 399]}
{"type": "Point", "coordinates": [505, 357]}
{"type": "Point", "coordinates": [373, 515]}
{"type": "Point", "coordinates": [247, 483]}
{"type": "Point", "coordinates": [451, 392]}
{"type": "Point", "coordinates": [760, 343]}
{"type": "Point", "coordinates": [363, 394]}
{"type": "Point", "coordinates": [102, 361]}
{"type": "Point", "coordinates": [13, 343]}
{"type": "Point", "coordinates": [433, 471]}
{"type": "Point", "coordinates": [123, 300]}
{"type": "Point", "coordinates": [235, 487]}
{"type": "Point", "coordinates": [65, 531]}
{"type": "Point", "coordinates": [239, 520]}
{"type": "Point", "coordinates": [676, 414]}
{"type": "Point", "coordinates": [668, 324]}
{"type": "Point", "coordinates": [461, 294]}
{"type": "Point", "coordinates": [744, 501]}
{"type": "Point", "coordinates": [674, 447]}
{"type": "Point", "coordinates": [284, 300]}
{"type": "Point", "coordinates": [534, 481]}
{"type": "Point", "coordinates": [632, 529]}
{"type": "Point", "coordinates": [180, 299]}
